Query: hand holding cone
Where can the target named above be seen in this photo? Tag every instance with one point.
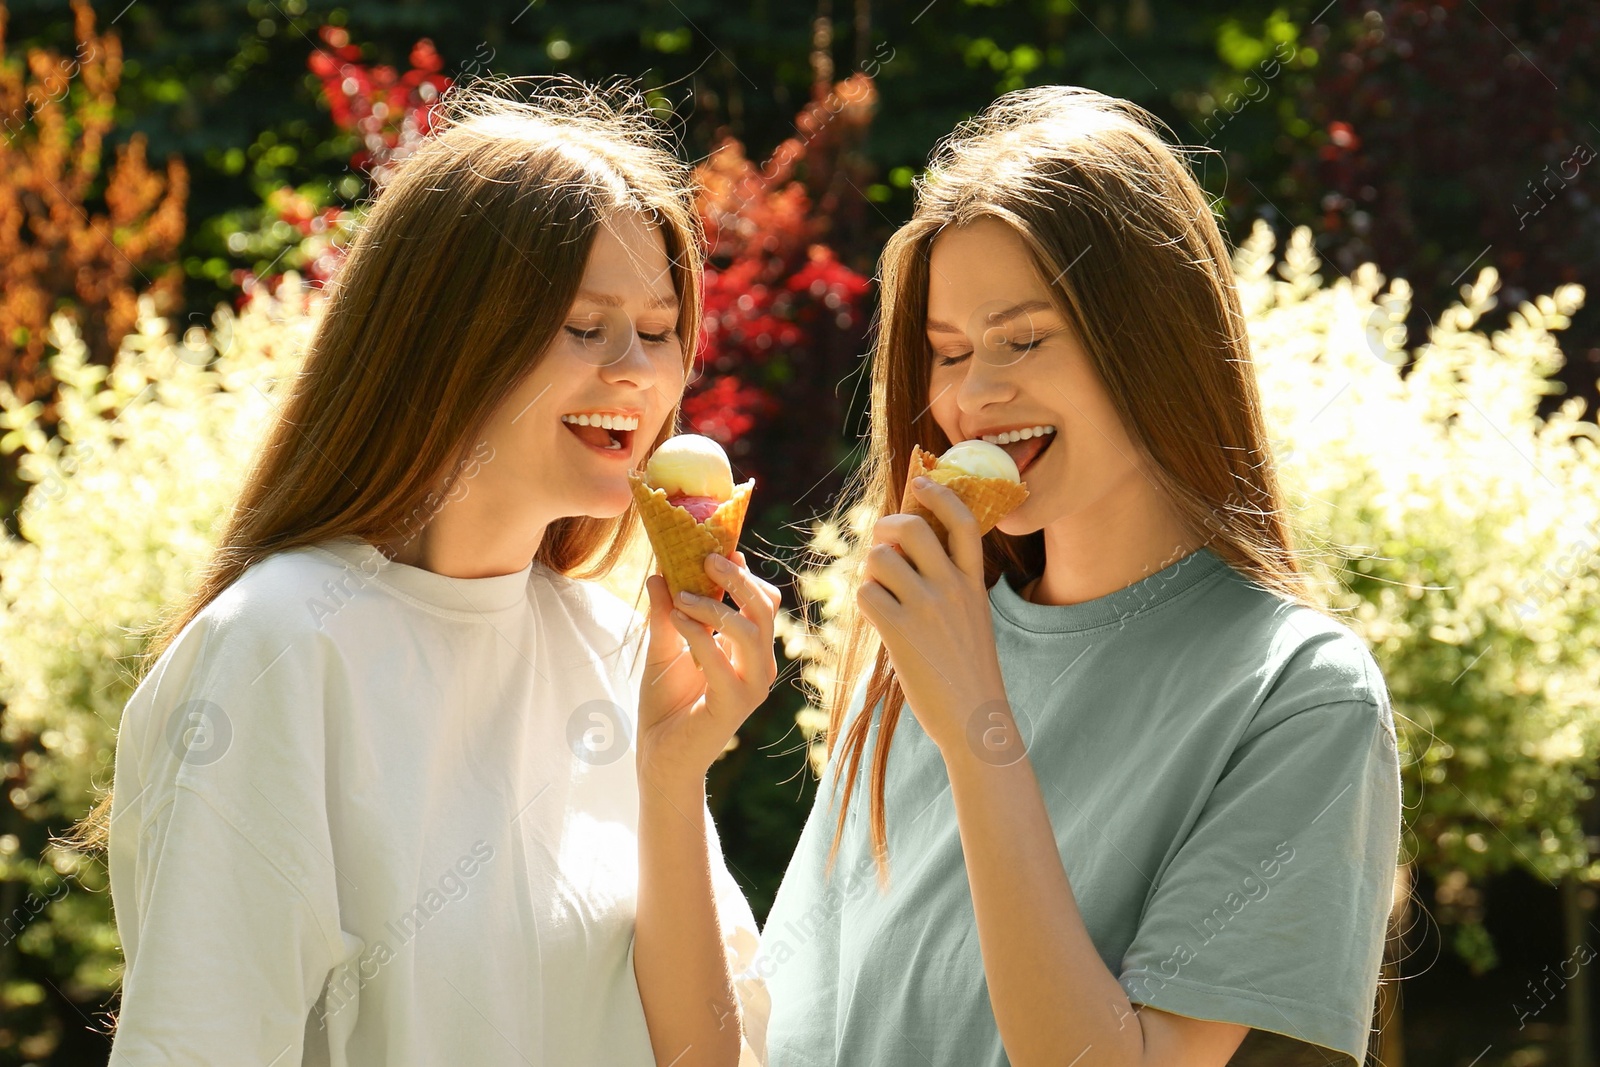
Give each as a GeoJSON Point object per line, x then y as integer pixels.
{"type": "Point", "coordinates": [990, 499]}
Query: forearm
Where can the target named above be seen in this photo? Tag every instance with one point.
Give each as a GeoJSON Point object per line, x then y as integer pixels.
{"type": "Point", "coordinates": [1052, 996]}
{"type": "Point", "coordinates": [678, 958]}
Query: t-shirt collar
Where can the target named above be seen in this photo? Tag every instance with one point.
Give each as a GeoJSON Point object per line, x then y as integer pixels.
{"type": "Point", "coordinates": [494, 593]}
{"type": "Point", "coordinates": [1147, 593]}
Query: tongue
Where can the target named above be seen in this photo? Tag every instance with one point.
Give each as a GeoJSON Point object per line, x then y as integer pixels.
{"type": "Point", "coordinates": [598, 436]}
{"type": "Point", "coordinates": [1024, 452]}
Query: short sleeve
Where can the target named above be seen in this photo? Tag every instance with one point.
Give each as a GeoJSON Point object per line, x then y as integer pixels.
{"type": "Point", "coordinates": [222, 879]}
{"type": "Point", "coordinates": [1273, 912]}
{"type": "Point", "coordinates": [740, 939]}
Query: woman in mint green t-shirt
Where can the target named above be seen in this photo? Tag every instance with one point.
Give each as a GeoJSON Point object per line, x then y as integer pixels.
{"type": "Point", "coordinates": [1145, 808]}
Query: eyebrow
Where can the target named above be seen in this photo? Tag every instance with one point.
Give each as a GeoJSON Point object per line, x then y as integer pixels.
{"type": "Point", "coordinates": [935, 326]}
{"type": "Point", "coordinates": [611, 300]}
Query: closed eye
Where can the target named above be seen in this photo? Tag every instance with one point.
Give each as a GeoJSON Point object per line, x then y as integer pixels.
{"type": "Point", "coordinates": [1015, 346]}
{"type": "Point", "coordinates": [597, 332]}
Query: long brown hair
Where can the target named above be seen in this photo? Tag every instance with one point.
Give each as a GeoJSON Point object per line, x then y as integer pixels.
{"type": "Point", "coordinates": [1109, 211]}
{"type": "Point", "coordinates": [456, 283]}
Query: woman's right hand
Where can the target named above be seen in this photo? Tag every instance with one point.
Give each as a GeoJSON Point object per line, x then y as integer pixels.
{"type": "Point", "coordinates": [688, 711]}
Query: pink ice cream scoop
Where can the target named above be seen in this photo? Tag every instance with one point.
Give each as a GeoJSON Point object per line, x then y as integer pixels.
{"type": "Point", "coordinates": [701, 507]}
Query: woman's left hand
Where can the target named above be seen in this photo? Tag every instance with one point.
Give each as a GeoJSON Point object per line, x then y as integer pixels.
{"type": "Point", "coordinates": [931, 610]}
{"type": "Point", "coordinates": [688, 710]}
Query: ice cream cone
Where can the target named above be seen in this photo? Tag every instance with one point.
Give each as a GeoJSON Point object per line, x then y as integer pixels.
{"type": "Point", "coordinates": [682, 544]}
{"type": "Point", "coordinates": [989, 499]}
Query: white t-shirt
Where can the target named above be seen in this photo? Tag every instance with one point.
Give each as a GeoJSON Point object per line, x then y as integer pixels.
{"type": "Point", "coordinates": [369, 814]}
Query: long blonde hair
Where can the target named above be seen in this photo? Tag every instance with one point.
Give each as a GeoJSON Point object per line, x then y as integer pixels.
{"type": "Point", "coordinates": [455, 285]}
{"type": "Point", "coordinates": [1143, 275]}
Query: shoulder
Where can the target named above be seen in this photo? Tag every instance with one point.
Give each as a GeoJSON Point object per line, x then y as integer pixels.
{"type": "Point", "coordinates": [1317, 661]}
{"type": "Point", "coordinates": [588, 601]}
{"type": "Point", "coordinates": [247, 677]}
{"type": "Point", "coordinates": [1296, 658]}
{"type": "Point", "coordinates": [1319, 655]}
{"type": "Point", "coordinates": [256, 637]}
{"type": "Point", "coordinates": [276, 597]}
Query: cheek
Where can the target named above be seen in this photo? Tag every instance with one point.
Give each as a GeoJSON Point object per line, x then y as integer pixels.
{"type": "Point", "coordinates": [1106, 434]}
{"type": "Point", "coordinates": [1093, 426]}
{"type": "Point", "coordinates": [941, 403]}
{"type": "Point", "coordinates": [672, 377]}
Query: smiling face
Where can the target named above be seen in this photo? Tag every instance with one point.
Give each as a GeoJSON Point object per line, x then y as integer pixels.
{"type": "Point", "coordinates": [566, 437]}
{"type": "Point", "coordinates": [1007, 367]}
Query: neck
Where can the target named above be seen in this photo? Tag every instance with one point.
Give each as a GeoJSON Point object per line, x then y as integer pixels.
{"type": "Point", "coordinates": [471, 536]}
{"type": "Point", "coordinates": [1109, 544]}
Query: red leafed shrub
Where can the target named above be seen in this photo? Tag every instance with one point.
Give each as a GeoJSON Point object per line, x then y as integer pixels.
{"type": "Point", "coordinates": [782, 315]}
{"type": "Point", "coordinates": [390, 111]}
{"type": "Point", "coordinates": [726, 410]}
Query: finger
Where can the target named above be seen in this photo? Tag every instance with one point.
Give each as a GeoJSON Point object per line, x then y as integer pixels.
{"type": "Point", "coordinates": [746, 635]}
{"type": "Point", "coordinates": [745, 588]}
{"type": "Point", "coordinates": [773, 594]}
{"type": "Point", "coordinates": [892, 571]}
{"type": "Point", "coordinates": [966, 543]}
{"type": "Point", "coordinates": [875, 603]}
{"type": "Point", "coordinates": [716, 614]}
{"type": "Point", "coordinates": [665, 643]}
{"type": "Point", "coordinates": [915, 539]}
{"type": "Point", "coordinates": [708, 653]}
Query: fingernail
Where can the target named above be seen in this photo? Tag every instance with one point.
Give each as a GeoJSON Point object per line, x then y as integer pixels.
{"type": "Point", "coordinates": [921, 482]}
{"type": "Point", "coordinates": [687, 597]}
{"type": "Point", "coordinates": [720, 563]}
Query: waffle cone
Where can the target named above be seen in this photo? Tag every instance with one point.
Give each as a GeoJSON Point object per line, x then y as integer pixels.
{"type": "Point", "coordinates": [682, 544]}
{"type": "Point", "coordinates": [989, 499]}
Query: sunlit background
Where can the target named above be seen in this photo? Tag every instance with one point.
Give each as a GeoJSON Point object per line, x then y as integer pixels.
{"type": "Point", "coordinates": [1411, 191]}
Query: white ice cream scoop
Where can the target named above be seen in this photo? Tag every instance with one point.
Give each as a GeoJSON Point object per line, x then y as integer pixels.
{"type": "Point", "coordinates": [692, 465]}
{"type": "Point", "coordinates": [980, 459]}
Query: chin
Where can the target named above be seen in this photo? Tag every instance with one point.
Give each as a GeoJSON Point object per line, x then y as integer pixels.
{"type": "Point", "coordinates": [606, 502]}
{"type": "Point", "coordinates": [1020, 521]}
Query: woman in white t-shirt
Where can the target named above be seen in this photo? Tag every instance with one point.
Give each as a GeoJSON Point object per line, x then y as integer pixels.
{"type": "Point", "coordinates": [403, 784]}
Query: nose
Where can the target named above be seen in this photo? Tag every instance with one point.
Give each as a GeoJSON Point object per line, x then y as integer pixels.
{"type": "Point", "coordinates": [983, 382]}
{"type": "Point", "coordinates": [630, 363]}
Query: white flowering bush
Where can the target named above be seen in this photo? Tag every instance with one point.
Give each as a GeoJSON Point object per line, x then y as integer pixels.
{"type": "Point", "coordinates": [126, 499]}
{"type": "Point", "coordinates": [1452, 527]}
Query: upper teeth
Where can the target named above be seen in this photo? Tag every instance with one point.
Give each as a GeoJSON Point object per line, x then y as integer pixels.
{"type": "Point", "coordinates": [1018, 435]}
{"type": "Point", "coordinates": [609, 422]}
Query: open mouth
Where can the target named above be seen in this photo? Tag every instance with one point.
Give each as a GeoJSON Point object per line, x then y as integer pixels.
{"type": "Point", "coordinates": [611, 435]}
{"type": "Point", "coordinates": [1025, 446]}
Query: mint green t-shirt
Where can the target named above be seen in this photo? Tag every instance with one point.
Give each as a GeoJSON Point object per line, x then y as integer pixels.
{"type": "Point", "coordinates": [1221, 772]}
